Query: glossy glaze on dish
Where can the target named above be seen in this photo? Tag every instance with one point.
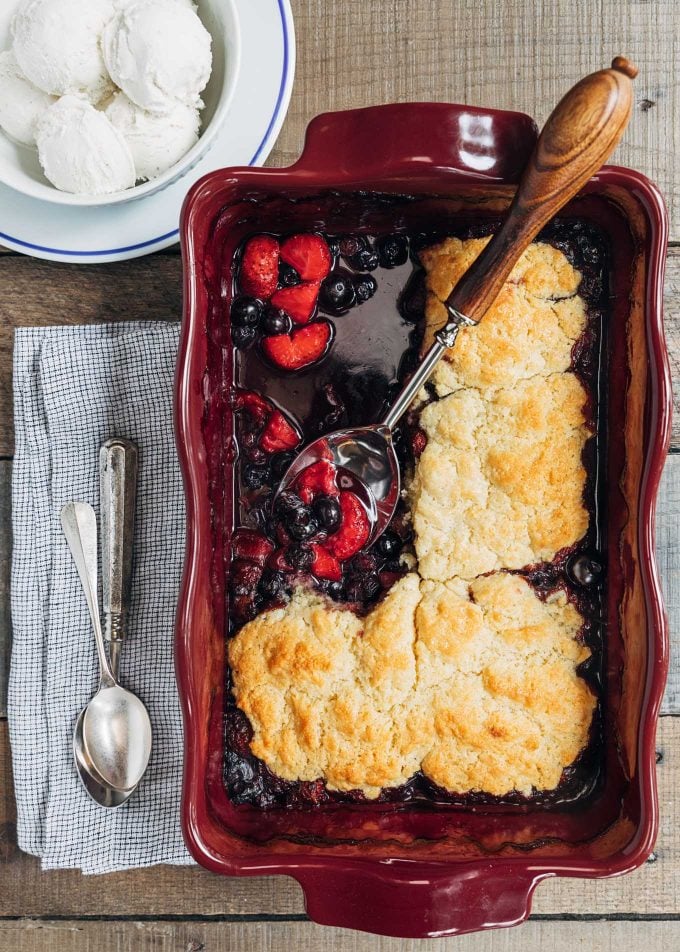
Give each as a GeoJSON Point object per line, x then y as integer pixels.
{"type": "Point", "coordinates": [374, 348]}
{"type": "Point", "coordinates": [430, 871]}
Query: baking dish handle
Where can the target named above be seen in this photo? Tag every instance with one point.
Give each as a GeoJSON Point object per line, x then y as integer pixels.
{"type": "Point", "coordinates": [404, 138]}
{"type": "Point", "coordinates": [481, 896]}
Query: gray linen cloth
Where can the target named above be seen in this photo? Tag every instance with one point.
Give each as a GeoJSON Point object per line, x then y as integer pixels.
{"type": "Point", "coordinates": [74, 387]}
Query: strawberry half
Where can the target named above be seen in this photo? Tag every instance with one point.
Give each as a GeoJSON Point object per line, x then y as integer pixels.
{"type": "Point", "coordinates": [309, 255]}
{"type": "Point", "coordinates": [258, 408]}
{"type": "Point", "coordinates": [354, 528]}
{"type": "Point", "coordinates": [259, 273]}
{"type": "Point", "coordinates": [317, 479]}
{"type": "Point", "coordinates": [299, 301]}
{"type": "Point", "coordinates": [300, 348]}
{"type": "Point", "coordinates": [251, 546]}
{"type": "Point", "coordinates": [324, 564]}
{"type": "Point", "coordinates": [278, 435]}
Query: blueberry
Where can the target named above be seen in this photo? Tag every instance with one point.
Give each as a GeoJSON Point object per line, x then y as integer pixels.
{"type": "Point", "coordinates": [255, 477]}
{"type": "Point", "coordinates": [335, 590]}
{"type": "Point", "coordinates": [301, 524]}
{"type": "Point", "coordinates": [365, 287]}
{"type": "Point", "coordinates": [273, 584]}
{"type": "Point", "coordinates": [243, 337]}
{"type": "Point", "coordinates": [288, 276]}
{"type": "Point", "coordinates": [354, 590]}
{"type": "Point", "coordinates": [276, 321]}
{"type": "Point", "coordinates": [584, 570]}
{"type": "Point", "coordinates": [246, 312]}
{"type": "Point", "coordinates": [365, 259]}
{"type": "Point", "coordinates": [337, 291]}
{"type": "Point", "coordinates": [371, 585]}
{"type": "Point", "coordinates": [300, 557]}
{"type": "Point", "coordinates": [286, 503]}
{"type": "Point", "coordinates": [392, 250]}
{"type": "Point", "coordinates": [333, 246]}
{"type": "Point", "coordinates": [327, 511]}
{"type": "Point", "coordinates": [280, 463]}
{"type": "Point", "coordinates": [388, 545]}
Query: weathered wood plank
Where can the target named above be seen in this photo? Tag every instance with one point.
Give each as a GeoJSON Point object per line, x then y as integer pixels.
{"type": "Point", "coordinates": [518, 55]}
{"type": "Point", "coordinates": [37, 293]}
{"type": "Point", "coordinates": [668, 558]}
{"type": "Point", "coordinates": [167, 891]}
{"type": "Point", "coordinates": [5, 557]}
{"type": "Point", "coordinates": [78, 936]}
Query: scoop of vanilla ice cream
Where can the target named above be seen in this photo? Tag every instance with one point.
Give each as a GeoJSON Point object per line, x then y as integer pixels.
{"type": "Point", "coordinates": [159, 53]}
{"type": "Point", "coordinates": [156, 140]}
{"type": "Point", "coordinates": [57, 45]}
{"type": "Point", "coordinates": [80, 150]}
{"type": "Point", "coordinates": [21, 103]}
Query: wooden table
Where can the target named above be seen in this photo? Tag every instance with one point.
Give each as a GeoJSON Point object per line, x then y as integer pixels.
{"type": "Point", "coordinates": [518, 54]}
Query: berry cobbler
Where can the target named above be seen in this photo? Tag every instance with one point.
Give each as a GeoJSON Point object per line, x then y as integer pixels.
{"type": "Point", "coordinates": [454, 658]}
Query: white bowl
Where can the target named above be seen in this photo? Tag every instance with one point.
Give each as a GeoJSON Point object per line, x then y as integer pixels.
{"type": "Point", "coordinates": [20, 168]}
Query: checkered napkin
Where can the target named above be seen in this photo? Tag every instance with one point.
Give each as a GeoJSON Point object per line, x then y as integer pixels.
{"type": "Point", "coordinates": [74, 387]}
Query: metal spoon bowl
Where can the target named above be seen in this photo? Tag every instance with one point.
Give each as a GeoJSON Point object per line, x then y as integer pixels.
{"type": "Point", "coordinates": [95, 786]}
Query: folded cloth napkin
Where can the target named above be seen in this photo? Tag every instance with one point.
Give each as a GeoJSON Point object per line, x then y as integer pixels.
{"type": "Point", "coordinates": [74, 387]}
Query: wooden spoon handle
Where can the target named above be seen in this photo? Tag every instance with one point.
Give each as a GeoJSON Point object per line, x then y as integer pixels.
{"type": "Point", "coordinates": [578, 137]}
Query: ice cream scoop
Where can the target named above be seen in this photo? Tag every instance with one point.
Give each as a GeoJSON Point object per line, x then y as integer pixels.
{"type": "Point", "coordinates": [57, 45]}
{"type": "Point", "coordinates": [157, 141]}
{"type": "Point", "coordinates": [21, 103]}
{"type": "Point", "coordinates": [81, 151]}
{"type": "Point", "coordinates": [159, 53]}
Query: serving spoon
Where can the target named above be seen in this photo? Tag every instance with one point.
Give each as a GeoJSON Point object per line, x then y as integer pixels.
{"type": "Point", "coordinates": [112, 740]}
{"type": "Point", "coordinates": [578, 137]}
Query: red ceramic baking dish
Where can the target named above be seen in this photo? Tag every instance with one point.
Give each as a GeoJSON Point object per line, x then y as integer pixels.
{"type": "Point", "coordinates": [424, 870]}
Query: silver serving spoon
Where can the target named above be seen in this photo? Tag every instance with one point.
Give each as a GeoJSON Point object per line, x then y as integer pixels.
{"type": "Point", "coordinates": [114, 738]}
{"type": "Point", "coordinates": [578, 137]}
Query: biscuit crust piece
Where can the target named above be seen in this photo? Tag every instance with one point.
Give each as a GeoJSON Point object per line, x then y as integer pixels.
{"type": "Point", "coordinates": [530, 329]}
{"type": "Point", "coordinates": [500, 482]}
{"type": "Point", "coordinates": [476, 686]}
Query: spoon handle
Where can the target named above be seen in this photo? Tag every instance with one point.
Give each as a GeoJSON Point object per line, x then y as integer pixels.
{"type": "Point", "coordinates": [578, 137]}
{"type": "Point", "coordinates": [79, 522]}
{"type": "Point", "coordinates": [118, 491]}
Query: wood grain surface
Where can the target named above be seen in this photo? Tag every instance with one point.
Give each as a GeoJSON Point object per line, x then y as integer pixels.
{"type": "Point", "coordinates": [550, 936]}
{"type": "Point", "coordinates": [522, 54]}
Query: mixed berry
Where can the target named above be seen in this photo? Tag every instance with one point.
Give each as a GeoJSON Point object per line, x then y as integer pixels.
{"type": "Point", "coordinates": [313, 533]}
{"type": "Point", "coordinates": [286, 286]}
{"type": "Point", "coordinates": [288, 294]}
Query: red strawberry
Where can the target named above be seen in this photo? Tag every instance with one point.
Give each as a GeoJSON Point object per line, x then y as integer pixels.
{"type": "Point", "coordinates": [278, 434]}
{"type": "Point", "coordinates": [299, 301]}
{"type": "Point", "coordinates": [319, 478]}
{"type": "Point", "coordinates": [325, 565]}
{"type": "Point", "coordinates": [247, 544]}
{"type": "Point", "coordinates": [300, 348]}
{"type": "Point", "coordinates": [354, 530]}
{"type": "Point", "coordinates": [309, 255]}
{"type": "Point", "coordinates": [257, 406]}
{"type": "Point", "coordinates": [259, 273]}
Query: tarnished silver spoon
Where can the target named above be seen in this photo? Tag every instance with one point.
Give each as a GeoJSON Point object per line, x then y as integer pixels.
{"type": "Point", "coordinates": [115, 727]}
{"type": "Point", "coordinates": [578, 137]}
